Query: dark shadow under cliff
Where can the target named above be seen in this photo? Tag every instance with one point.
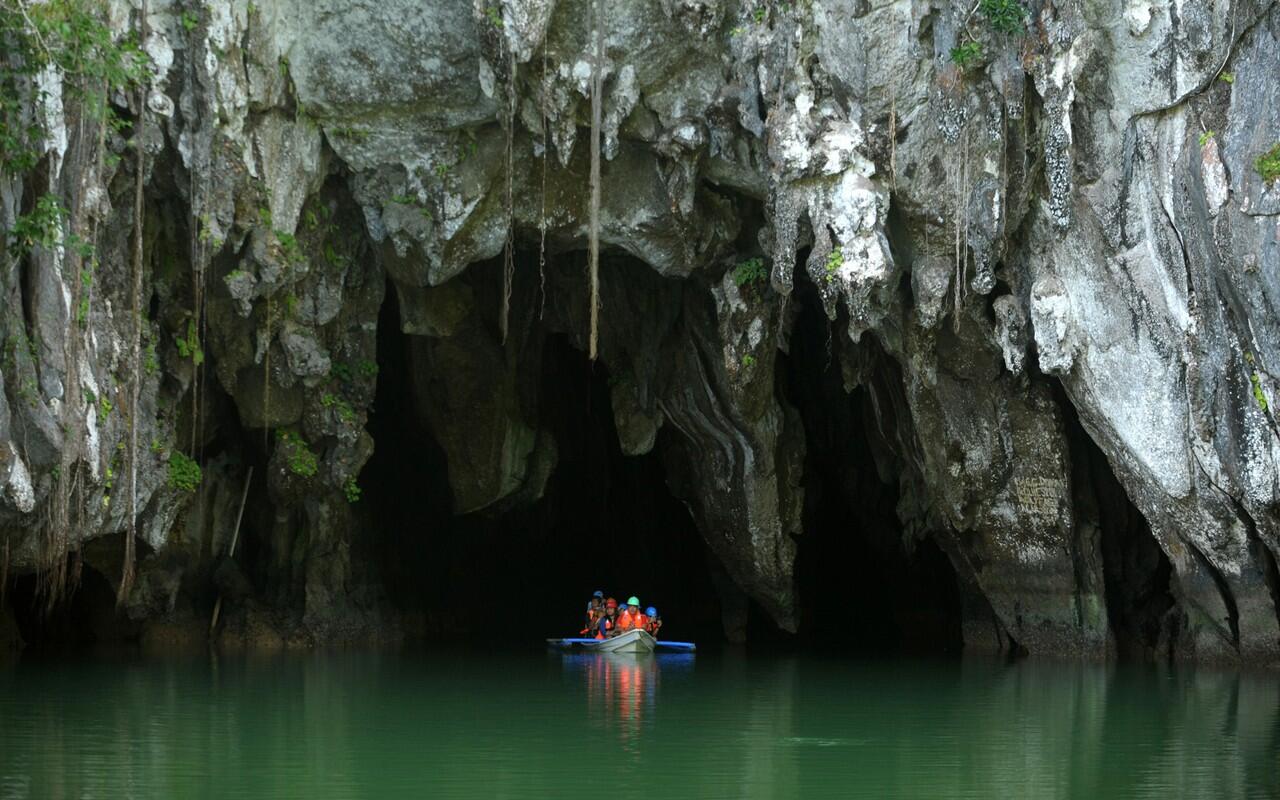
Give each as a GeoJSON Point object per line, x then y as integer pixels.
{"type": "Point", "coordinates": [605, 521]}
{"type": "Point", "coordinates": [863, 584]}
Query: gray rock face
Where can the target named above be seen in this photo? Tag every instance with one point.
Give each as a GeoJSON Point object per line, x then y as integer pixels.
{"type": "Point", "coordinates": [1069, 226]}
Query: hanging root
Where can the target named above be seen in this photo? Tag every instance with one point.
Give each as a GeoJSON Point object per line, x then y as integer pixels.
{"type": "Point", "coordinates": [593, 239]}
{"type": "Point", "coordinates": [542, 220]}
{"type": "Point", "coordinates": [266, 386]}
{"type": "Point", "coordinates": [509, 249]}
{"type": "Point", "coordinates": [4, 571]}
{"type": "Point", "coordinates": [962, 224]}
{"type": "Point", "coordinates": [131, 533]}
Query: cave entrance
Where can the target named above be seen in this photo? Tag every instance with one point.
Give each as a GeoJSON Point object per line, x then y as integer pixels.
{"type": "Point", "coordinates": [604, 521]}
{"type": "Point", "coordinates": [85, 615]}
{"type": "Point", "coordinates": [1137, 575]}
{"type": "Point", "coordinates": [858, 575]}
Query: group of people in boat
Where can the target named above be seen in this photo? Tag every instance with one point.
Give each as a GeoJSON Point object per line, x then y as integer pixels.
{"type": "Point", "coordinates": [605, 619]}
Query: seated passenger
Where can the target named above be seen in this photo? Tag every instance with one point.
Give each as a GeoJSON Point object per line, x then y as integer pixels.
{"type": "Point", "coordinates": [595, 610]}
{"type": "Point", "coordinates": [631, 618]}
{"type": "Point", "coordinates": [655, 621]}
{"type": "Point", "coordinates": [608, 624]}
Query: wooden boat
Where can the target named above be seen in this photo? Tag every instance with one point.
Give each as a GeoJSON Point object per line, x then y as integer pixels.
{"type": "Point", "coordinates": [635, 641]}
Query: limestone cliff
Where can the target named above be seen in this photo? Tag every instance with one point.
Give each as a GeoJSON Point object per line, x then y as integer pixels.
{"type": "Point", "coordinates": [1023, 221]}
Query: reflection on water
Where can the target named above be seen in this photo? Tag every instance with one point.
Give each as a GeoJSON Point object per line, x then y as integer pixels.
{"type": "Point", "coordinates": [535, 725]}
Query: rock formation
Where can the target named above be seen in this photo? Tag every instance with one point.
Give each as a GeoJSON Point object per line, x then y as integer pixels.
{"type": "Point", "coordinates": [1040, 232]}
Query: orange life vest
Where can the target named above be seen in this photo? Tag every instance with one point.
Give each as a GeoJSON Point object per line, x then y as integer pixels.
{"type": "Point", "coordinates": [593, 618]}
{"type": "Point", "coordinates": [627, 620]}
{"type": "Point", "coordinates": [652, 625]}
{"type": "Point", "coordinates": [608, 625]}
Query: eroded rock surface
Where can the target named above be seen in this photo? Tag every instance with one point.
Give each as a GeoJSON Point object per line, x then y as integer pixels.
{"type": "Point", "coordinates": [1068, 226]}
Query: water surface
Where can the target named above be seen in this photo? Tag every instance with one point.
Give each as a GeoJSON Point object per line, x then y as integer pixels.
{"type": "Point", "coordinates": [532, 724]}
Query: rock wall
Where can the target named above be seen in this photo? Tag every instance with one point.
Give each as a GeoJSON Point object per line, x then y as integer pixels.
{"type": "Point", "coordinates": [1055, 220]}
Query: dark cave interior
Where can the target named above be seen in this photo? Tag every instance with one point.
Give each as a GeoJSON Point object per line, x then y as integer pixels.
{"type": "Point", "coordinates": [862, 587]}
{"type": "Point", "coordinates": [606, 521]}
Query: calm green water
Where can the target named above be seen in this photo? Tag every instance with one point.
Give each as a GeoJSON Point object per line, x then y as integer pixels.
{"type": "Point", "coordinates": [540, 725]}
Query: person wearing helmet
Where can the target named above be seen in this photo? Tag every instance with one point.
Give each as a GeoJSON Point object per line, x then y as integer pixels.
{"type": "Point", "coordinates": [595, 610]}
{"type": "Point", "coordinates": [608, 624]}
{"type": "Point", "coordinates": [655, 621]}
{"type": "Point", "coordinates": [632, 618]}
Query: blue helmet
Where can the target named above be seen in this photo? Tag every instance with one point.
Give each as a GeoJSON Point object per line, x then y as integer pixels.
{"type": "Point", "coordinates": [651, 612]}
{"type": "Point", "coordinates": [599, 594]}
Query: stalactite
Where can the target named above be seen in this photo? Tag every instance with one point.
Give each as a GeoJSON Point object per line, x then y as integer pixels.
{"type": "Point", "coordinates": [135, 367]}
{"type": "Point", "coordinates": [593, 239]}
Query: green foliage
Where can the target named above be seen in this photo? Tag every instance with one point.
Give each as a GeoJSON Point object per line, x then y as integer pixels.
{"type": "Point", "coordinates": [298, 456]}
{"type": "Point", "coordinates": [189, 347]}
{"type": "Point", "coordinates": [39, 228]}
{"type": "Point", "coordinates": [150, 363]}
{"type": "Point", "coordinates": [104, 408]}
{"type": "Point", "coordinates": [1004, 16]}
{"type": "Point", "coordinates": [749, 272]}
{"type": "Point", "coordinates": [334, 258]}
{"type": "Point", "coordinates": [1268, 164]}
{"type": "Point", "coordinates": [834, 262]}
{"type": "Point", "coordinates": [1206, 136]}
{"type": "Point", "coordinates": [340, 372]}
{"type": "Point", "coordinates": [965, 55]}
{"type": "Point", "coordinates": [748, 361]}
{"type": "Point", "coordinates": [184, 473]}
{"type": "Point", "coordinates": [759, 15]}
{"type": "Point", "coordinates": [344, 373]}
{"type": "Point", "coordinates": [73, 37]}
{"type": "Point", "coordinates": [289, 247]}
{"type": "Point", "coordinates": [1258, 394]}
{"type": "Point", "coordinates": [352, 490]}
{"type": "Point", "coordinates": [344, 410]}
{"type": "Point", "coordinates": [190, 21]}
{"type": "Point", "coordinates": [86, 281]}
{"type": "Point", "coordinates": [494, 16]}
{"type": "Point", "coordinates": [1227, 77]}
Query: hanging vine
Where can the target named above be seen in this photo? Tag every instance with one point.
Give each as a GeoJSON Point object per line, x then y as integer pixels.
{"type": "Point", "coordinates": [593, 236]}
{"type": "Point", "coordinates": [546, 155]}
{"type": "Point", "coordinates": [135, 367]}
{"type": "Point", "coordinates": [70, 43]}
{"type": "Point", "coordinates": [509, 248]}
{"type": "Point", "coordinates": [962, 228]}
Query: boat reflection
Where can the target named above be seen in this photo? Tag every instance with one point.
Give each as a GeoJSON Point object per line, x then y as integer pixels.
{"type": "Point", "coordinates": [622, 690]}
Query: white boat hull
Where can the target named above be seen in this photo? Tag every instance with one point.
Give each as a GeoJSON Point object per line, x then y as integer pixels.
{"type": "Point", "coordinates": [634, 641]}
